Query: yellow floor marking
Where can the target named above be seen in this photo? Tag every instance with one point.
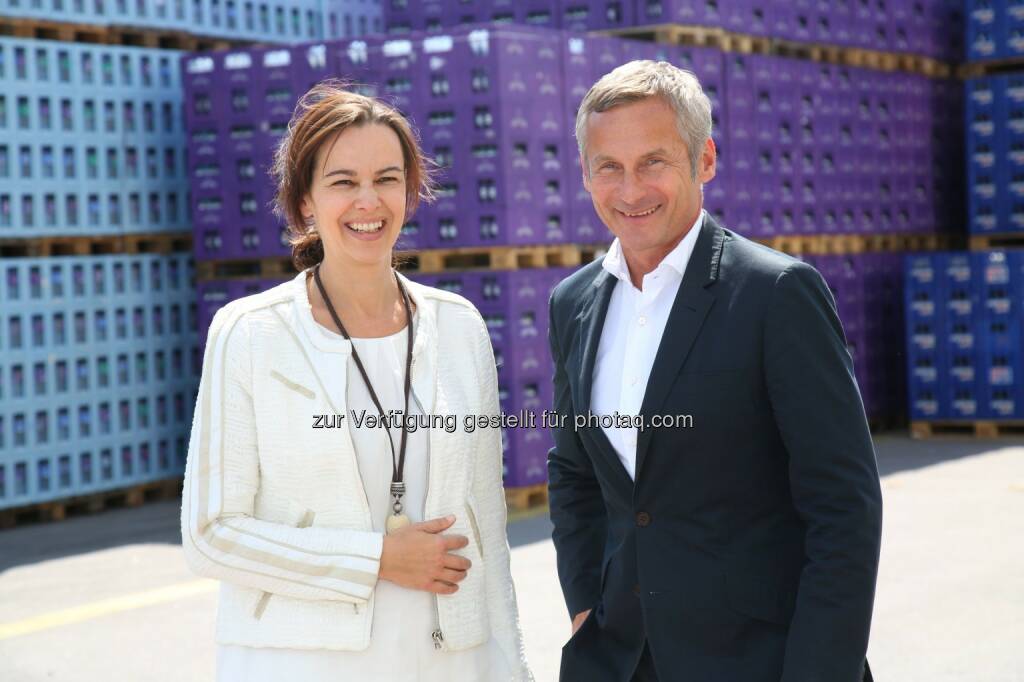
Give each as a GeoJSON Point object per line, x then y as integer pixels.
{"type": "Point", "coordinates": [77, 614]}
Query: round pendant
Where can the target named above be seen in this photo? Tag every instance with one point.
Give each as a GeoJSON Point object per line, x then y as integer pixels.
{"type": "Point", "coordinates": [396, 522]}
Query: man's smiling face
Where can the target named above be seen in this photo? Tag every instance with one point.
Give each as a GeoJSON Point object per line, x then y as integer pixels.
{"type": "Point", "coordinates": [640, 176]}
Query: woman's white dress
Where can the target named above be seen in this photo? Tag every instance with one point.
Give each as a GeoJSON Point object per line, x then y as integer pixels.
{"type": "Point", "coordinates": [401, 647]}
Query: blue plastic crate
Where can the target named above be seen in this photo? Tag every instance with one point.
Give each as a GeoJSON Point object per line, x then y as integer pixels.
{"type": "Point", "coordinates": [985, 29]}
{"type": "Point", "coordinates": [997, 285]}
{"type": "Point", "coordinates": [1001, 385]}
{"type": "Point", "coordinates": [999, 332]}
{"type": "Point", "coordinates": [925, 401]}
{"type": "Point", "coordinates": [922, 287]}
{"type": "Point", "coordinates": [98, 373]}
{"type": "Point", "coordinates": [924, 314]}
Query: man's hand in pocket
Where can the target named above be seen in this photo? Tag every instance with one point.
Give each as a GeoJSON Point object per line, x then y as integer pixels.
{"type": "Point", "coordinates": [579, 619]}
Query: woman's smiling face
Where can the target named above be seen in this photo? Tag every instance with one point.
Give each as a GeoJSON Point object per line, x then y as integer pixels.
{"type": "Point", "coordinates": [358, 193]}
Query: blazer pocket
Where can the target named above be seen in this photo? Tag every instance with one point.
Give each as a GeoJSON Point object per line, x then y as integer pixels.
{"type": "Point", "coordinates": [298, 388]}
{"type": "Point", "coordinates": [304, 521]}
{"type": "Point", "coordinates": [474, 528]}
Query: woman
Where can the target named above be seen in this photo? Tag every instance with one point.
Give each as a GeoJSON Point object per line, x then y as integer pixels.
{"type": "Point", "coordinates": [349, 550]}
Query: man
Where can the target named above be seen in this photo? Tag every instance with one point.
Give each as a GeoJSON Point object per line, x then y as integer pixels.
{"type": "Point", "coordinates": [739, 543]}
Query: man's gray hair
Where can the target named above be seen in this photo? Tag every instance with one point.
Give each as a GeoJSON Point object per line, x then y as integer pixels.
{"type": "Point", "coordinates": [644, 78]}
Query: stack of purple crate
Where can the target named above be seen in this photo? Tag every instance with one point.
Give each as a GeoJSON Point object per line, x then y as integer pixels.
{"type": "Point", "coordinates": [514, 307]}
{"type": "Point", "coordinates": [238, 105]}
{"type": "Point", "coordinates": [868, 291]}
{"type": "Point", "coordinates": [214, 294]}
{"type": "Point", "coordinates": [488, 105]}
{"type": "Point", "coordinates": [818, 148]}
{"type": "Point", "coordinates": [804, 147]}
{"type": "Point", "coordinates": [933, 28]}
{"type": "Point", "coordinates": [402, 16]}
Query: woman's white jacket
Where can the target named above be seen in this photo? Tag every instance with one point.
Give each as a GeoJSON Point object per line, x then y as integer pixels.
{"type": "Point", "coordinates": [257, 473]}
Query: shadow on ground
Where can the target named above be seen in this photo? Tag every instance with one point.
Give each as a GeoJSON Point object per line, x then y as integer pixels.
{"type": "Point", "coordinates": [158, 522]}
{"type": "Point", "coordinates": [899, 453]}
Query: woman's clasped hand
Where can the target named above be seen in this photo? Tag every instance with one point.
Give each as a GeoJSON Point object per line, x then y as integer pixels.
{"type": "Point", "coordinates": [420, 557]}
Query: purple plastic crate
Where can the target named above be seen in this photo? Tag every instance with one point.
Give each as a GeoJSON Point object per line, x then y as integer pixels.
{"type": "Point", "coordinates": [699, 12]}
{"type": "Point", "coordinates": [526, 448]}
{"type": "Point", "coordinates": [211, 296]}
{"type": "Point", "coordinates": [595, 15]}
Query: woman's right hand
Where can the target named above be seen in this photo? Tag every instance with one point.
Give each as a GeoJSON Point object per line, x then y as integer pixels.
{"type": "Point", "coordinates": [419, 557]}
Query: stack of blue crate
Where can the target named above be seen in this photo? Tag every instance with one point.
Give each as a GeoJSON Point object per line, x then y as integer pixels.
{"type": "Point", "coordinates": [995, 154]}
{"type": "Point", "coordinates": [964, 344]}
{"type": "Point", "coordinates": [92, 140]}
{"type": "Point", "coordinates": [964, 340]}
{"type": "Point", "coordinates": [995, 29]}
{"type": "Point", "coordinates": [99, 353]}
{"type": "Point", "coordinates": [272, 21]}
{"type": "Point", "coordinates": [97, 359]}
{"type": "Point", "coordinates": [97, 373]}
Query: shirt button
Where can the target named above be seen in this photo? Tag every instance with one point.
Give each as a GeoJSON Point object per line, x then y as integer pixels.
{"type": "Point", "coordinates": [642, 321]}
{"type": "Point", "coordinates": [633, 381]}
{"type": "Point", "coordinates": [643, 519]}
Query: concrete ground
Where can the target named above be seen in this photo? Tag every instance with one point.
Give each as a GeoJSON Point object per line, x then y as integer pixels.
{"type": "Point", "coordinates": [109, 598]}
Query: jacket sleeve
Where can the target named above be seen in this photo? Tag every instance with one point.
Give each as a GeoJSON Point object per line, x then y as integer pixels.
{"type": "Point", "coordinates": [220, 536]}
{"type": "Point", "coordinates": [833, 478]}
{"type": "Point", "coordinates": [489, 494]}
{"type": "Point", "coordinates": [577, 506]}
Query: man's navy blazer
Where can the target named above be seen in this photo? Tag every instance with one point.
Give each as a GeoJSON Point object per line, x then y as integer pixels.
{"type": "Point", "coordinates": [747, 548]}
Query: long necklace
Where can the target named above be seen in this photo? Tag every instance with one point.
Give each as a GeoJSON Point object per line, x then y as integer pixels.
{"type": "Point", "coordinates": [397, 519]}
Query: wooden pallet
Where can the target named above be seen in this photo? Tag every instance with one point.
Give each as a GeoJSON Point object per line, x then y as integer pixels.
{"type": "Point", "coordinates": [979, 428]}
{"type": "Point", "coordinates": [926, 66]}
{"type": "Point", "coordinates": [497, 258]}
{"type": "Point", "coordinates": [426, 261]}
{"type": "Point", "coordinates": [984, 242]}
{"type": "Point", "coordinates": [842, 244]}
{"type": "Point", "coordinates": [811, 52]}
{"type": "Point", "coordinates": [678, 34]}
{"type": "Point", "coordinates": [527, 497]}
{"type": "Point", "coordinates": [262, 268]}
{"type": "Point", "coordinates": [37, 247]}
{"type": "Point", "coordinates": [991, 67]}
{"type": "Point", "coordinates": [57, 510]}
{"type": "Point", "coordinates": [887, 423]}
{"type": "Point", "coordinates": [741, 43]}
{"type": "Point", "coordinates": [112, 34]}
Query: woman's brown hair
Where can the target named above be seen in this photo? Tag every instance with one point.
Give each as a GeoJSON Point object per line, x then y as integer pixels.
{"type": "Point", "coordinates": [323, 112]}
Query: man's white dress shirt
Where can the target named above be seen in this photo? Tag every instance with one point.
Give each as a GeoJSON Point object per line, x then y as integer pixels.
{"type": "Point", "coordinates": [630, 338]}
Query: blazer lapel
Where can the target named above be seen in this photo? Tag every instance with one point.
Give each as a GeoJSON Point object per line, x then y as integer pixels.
{"type": "Point", "coordinates": [591, 320]}
{"type": "Point", "coordinates": [690, 308]}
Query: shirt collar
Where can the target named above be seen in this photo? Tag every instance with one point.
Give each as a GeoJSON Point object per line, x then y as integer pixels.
{"type": "Point", "coordinates": [615, 262]}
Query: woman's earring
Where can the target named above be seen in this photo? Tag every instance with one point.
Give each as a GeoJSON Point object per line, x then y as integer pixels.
{"type": "Point", "coordinates": [311, 223]}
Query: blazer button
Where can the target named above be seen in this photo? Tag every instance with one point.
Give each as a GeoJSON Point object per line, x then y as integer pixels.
{"type": "Point", "coordinates": [643, 519]}
{"type": "Point", "coordinates": [636, 590]}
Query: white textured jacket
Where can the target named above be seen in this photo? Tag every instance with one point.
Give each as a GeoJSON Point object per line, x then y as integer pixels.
{"type": "Point", "coordinates": [257, 473]}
